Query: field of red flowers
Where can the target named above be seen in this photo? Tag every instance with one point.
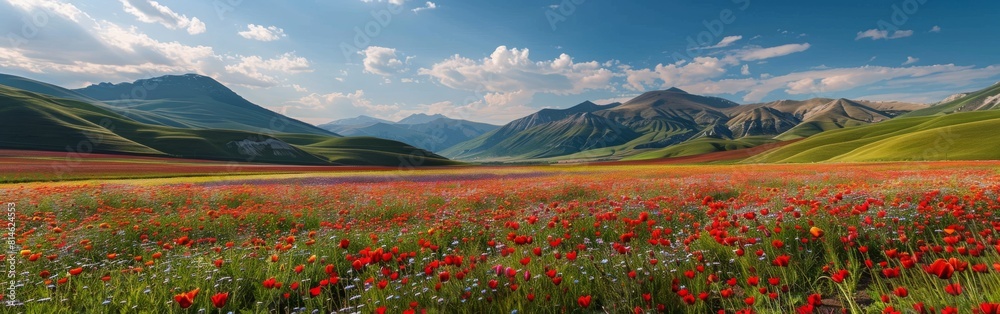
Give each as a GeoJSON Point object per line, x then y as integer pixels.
{"type": "Point", "coordinates": [878, 238]}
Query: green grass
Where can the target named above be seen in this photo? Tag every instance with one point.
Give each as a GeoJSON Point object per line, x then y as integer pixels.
{"type": "Point", "coordinates": [702, 146]}
{"type": "Point", "coordinates": [960, 136]}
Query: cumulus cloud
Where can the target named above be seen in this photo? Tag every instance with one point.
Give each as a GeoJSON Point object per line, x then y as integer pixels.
{"type": "Point", "coordinates": [745, 70]}
{"type": "Point", "coordinates": [876, 34]}
{"type": "Point", "coordinates": [148, 11]}
{"type": "Point", "coordinates": [254, 71]}
{"type": "Point", "coordinates": [427, 6]}
{"type": "Point", "coordinates": [90, 48]}
{"type": "Point", "coordinates": [511, 74]}
{"type": "Point", "coordinates": [261, 33]}
{"type": "Point", "coordinates": [703, 68]}
{"type": "Point", "coordinates": [381, 60]}
{"type": "Point", "coordinates": [338, 100]}
{"type": "Point", "coordinates": [935, 29]}
{"type": "Point", "coordinates": [911, 60]}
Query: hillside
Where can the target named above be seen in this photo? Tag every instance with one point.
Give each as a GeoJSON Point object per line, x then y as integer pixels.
{"type": "Point", "coordinates": [956, 136]}
{"type": "Point", "coordinates": [40, 122]}
{"type": "Point", "coordinates": [192, 101]}
{"type": "Point", "coordinates": [985, 99]}
{"type": "Point", "coordinates": [667, 123]}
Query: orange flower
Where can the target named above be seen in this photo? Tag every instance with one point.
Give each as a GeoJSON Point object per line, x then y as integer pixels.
{"type": "Point", "coordinates": [816, 232]}
{"type": "Point", "coordinates": [76, 271]}
{"type": "Point", "coordinates": [186, 299]}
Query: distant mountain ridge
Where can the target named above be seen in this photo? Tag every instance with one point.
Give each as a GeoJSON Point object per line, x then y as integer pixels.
{"type": "Point", "coordinates": [657, 120]}
{"type": "Point", "coordinates": [431, 132]}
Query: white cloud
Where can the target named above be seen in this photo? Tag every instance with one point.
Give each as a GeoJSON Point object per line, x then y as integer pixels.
{"type": "Point", "coordinates": [393, 2]}
{"type": "Point", "coordinates": [699, 69]}
{"type": "Point", "coordinates": [703, 68]}
{"type": "Point", "coordinates": [876, 34]}
{"type": "Point", "coordinates": [90, 48]}
{"type": "Point", "coordinates": [299, 88]}
{"type": "Point", "coordinates": [745, 70]}
{"type": "Point", "coordinates": [727, 41]}
{"type": "Point", "coordinates": [842, 79]}
{"type": "Point", "coordinates": [771, 52]}
{"type": "Point", "coordinates": [427, 6]}
{"type": "Point", "coordinates": [254, 71]}
{"type": "Point", "coordinates": [911, 60]}
{"type": "Point", "coordinates": [381, 60]}
{"type": "Point", "coordinates": [511, 74]}
{"type": "Point", "coordinates": [148, 11]}
{"type": "Point", "coordinates": [341, 101]}
{"type": "Point", "coordinates": [935, 29]}
{"type": "Point", "coordinates": [261, 33]}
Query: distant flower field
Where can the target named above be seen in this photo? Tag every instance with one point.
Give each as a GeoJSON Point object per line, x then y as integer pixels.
{"type": "Point", "coordinates": [876, 238]}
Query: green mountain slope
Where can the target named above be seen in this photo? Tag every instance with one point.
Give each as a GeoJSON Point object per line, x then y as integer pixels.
{"type": "Point", "coordinates": [41, 122]}
{"type": "Point", "coordinates": [195, 102]}
{"type": "Point", "coordinates": [960, 136]}
{"type": "Point", "coordinates": [702, 146]}
{"type": "Point", "coordinates": [985, 99]}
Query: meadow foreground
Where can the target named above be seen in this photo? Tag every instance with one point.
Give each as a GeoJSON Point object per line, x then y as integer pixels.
{"type": "Point", "coordinates": [893, 237]}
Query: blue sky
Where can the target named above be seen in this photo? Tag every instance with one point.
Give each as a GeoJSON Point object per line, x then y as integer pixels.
{"type": "Point", "coordinates": [494, 61]}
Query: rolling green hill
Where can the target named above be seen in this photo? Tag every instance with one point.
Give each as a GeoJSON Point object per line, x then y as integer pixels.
{"type": "Point", "coordinates": [985, 99]}
{"type": "Point", "coordinates": [702, 146]}
{"type": "Point", "coordinates": [959, 136]}
{"type": "Point", "coordinates": [40, 122]}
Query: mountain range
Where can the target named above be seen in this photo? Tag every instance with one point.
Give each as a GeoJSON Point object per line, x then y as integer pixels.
{"type": "Point", "coordinates": [431, 132]}
{"type": "Point", "coordinates": [655, 123]}
{"type": "Point", "coordinates": [187, 116]}
{"type": "Point", "coordinates": [194, 116]}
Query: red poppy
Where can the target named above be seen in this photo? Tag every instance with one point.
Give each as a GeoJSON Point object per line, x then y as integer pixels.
{"type": "Point", "coordinates": [584, 301]}
{"type": "Point", "coordinates": [953, 289]}
{"type": "Point", "coordinates": [940, 268]}
{"type": "Point", "coordinates": [186, 299]}
{"type": "Point", "coordinates": [219, 299]}
{"type": "Point", "coordinates": [781, 261]}
{"type": "Point", "coordinates": [988, 308]}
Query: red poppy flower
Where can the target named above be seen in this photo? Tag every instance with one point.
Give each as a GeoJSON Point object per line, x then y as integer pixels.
{"type": "Point", "coordinates": [781, 261]}
{"type": "Point", "coordinates": [186, 299]}
{"type": "Point", "coordinates": [940, 268]}
{"type": "Point", "coordinates": [953, 289]}
{"type": "Point", "coordinates": [219, 299]}
{"type": "Point", "coordinates": [584, 301]}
